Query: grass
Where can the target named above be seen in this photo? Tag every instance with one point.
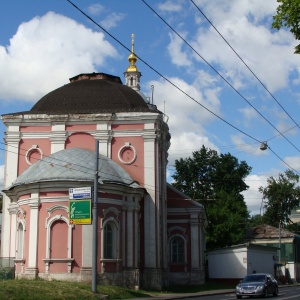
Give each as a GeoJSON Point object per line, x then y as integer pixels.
{"type": "Point", "coordinates": [21, 289]}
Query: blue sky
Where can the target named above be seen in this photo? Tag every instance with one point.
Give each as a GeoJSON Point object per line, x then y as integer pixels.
{"type": "Point", "coordinates": [44, 43]}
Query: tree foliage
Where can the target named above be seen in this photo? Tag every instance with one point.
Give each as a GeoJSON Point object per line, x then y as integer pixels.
{"type": "Point", "coordinates": [216, 181]}
{"type": "Point", "coordinates": [281, 196]}
{"type": "Point", "coordinates": [288, 15]}
{"type": "Point", "coordinates": [256, 220]}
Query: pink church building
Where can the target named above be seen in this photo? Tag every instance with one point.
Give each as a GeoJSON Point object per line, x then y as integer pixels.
{"type": "Point", "coordinates": [149, 234]}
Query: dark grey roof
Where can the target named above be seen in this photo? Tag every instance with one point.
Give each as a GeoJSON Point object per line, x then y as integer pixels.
{"type": "Point", "coordinates": [91, 93]}
{"type": "Point", "coordinates": [74, 164]}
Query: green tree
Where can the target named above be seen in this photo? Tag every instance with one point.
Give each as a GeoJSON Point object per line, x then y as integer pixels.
{"type": "Point", "coordinates": [281, 196]}
{"type": "Point", "coordinates": [256, 220]}
{"type": "Point", "coordinates": [216, 181]}
{"type": "Point", "coordinates": [288, 15]}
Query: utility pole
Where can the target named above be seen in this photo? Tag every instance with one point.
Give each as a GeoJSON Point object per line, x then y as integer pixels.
{"type": "Point", "coordinates": [279, 240]}
{"type": "Point", "coordinates": [95, 222]}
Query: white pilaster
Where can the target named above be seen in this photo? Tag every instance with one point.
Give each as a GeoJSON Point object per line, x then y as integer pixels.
{"type": "Point", "coordinates": [103, 135]}
{"type": "Point", "coordinates": [195, 243]}
{"type": "Point", "coordinates": [150, 207]}
{"type": "Point", "coordinates": [87, 242]}
{"type": "Point", "coordinates": [13, 207]}
{"type": "Point", "coordinates": [58, 137]}
{"type": "Point", "coordinates": [124, 241]}
{"type": "Point", "coordinates": [136, 236]}
{"type": "Point", "coordinates": [33, 230]}
{"type": "Point", "coordinates": [12, 140]}
{"type": "Point", "coordinates": [129, 229]}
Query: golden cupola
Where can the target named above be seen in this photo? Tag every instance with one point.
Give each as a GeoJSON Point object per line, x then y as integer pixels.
{"type": "Point", "coordinates": [132, 74]}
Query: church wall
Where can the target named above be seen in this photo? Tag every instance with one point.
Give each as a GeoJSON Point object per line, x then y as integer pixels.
{"type": "Point", "coordinates": [26, 219]}
{"type": "Point", "coordinates": [123, 127]}
{"type": "Point", "coordinates": [59, 246]}
{"type": "Point", "coordinates": [28, 143]}
{"type": "Point", "coordinates": [177, 200]}
{"type": "Point", "coordinates": [35, 128]}
{"type": "Point", "coordinates": [77, 248]}
{"type": "Point", "coordinates": [80, 140]}
{"type": "Point", "coordinates": [81, 127]}
{"type": "Point", "coordinates": [42, 234]}
{"type": "Point", "coordinates": [136, 168]}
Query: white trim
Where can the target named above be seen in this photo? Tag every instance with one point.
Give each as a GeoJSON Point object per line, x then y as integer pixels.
{"type": "Point", "coordinates": [34, 147]}
{"type": "Point", "coordinates": [122, 149]}
{"type": "Point", "coordinates": [170, 250]}
{"type": "Point", "coordinates": [116, 237]}
{"type": "Point", "coordinates": [20, 239]}
{"type": "Point", "coordinates": [49, 223]}
{"type": "Point", "coordinates": [47, 262]}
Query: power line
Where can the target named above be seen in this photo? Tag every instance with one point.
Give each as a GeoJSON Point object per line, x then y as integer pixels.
{"type": "Point", "coordinates": [215, 70]}
{"type": "Point", "coordinates": [157, 72]}
{"type": "Point", "coordinates": [297, 125]}
{"type": "Point", "coordinates": [161, 75]}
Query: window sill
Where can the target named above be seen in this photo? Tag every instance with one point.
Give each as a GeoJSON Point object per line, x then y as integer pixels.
{"type": "Point", "coordinates": [110, 260]}
{"type": "Point", "coordinates": [58, 260]}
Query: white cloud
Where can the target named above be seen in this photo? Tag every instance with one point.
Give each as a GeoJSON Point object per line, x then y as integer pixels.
{"type": "Point", "coordinates": [185, 115]}
{"type": "Point", "coordinates": [95, 9]}
{"type": "Point", "coordinates": [112, 20]}
{"type": "Point", "coordinates": [246, 26]}
{"type": "Point", "coordinates": [170, 6]}
{"type": "Point", "coordinates": [293, 161]}
{"type": "Point", "coordinates": [183, 145]}
{"type": "Point", "coordinates": [47, 50]}
{"type": "Point", "coordinates": [241, 145]}
{"type": "Point", "coordinates": [186, 118]}
{"type": "Point", "coordinates": [248, 113]}
{"type": "Point", "coordinates": [178, 57]}
{"type": "Point", "coordinates": [253, 197]}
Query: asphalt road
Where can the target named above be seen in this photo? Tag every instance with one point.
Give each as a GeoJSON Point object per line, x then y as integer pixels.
{"type": "Point", "coordinates": [290, 292]}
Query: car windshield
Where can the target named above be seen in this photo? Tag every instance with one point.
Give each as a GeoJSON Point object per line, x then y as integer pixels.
{"type": "Point", "coordinates": [255, 278]}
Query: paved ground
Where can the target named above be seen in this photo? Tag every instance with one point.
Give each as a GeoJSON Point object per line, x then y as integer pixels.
{"type": "Point", "coordinates": [198, 294]}
{"type": "Point", "coordinates": [188, 295]}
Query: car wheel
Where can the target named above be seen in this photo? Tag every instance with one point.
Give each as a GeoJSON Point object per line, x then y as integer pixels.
{"type": "Point", "coordinates": [239, 297]}
{"type": "Point", "coordinates": [275, 294]}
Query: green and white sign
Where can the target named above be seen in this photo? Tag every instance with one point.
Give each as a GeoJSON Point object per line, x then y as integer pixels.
{"type": "Point", "coordinates": [80, 211]}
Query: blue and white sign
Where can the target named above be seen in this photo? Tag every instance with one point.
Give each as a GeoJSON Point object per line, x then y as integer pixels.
{"type": "Point", "coordinates": [80, 193]}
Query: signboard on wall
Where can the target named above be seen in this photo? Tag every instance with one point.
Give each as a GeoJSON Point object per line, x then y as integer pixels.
{"type": "Point", "coordinates": [80, 205]}
{"type": "Point", "coordinates": [80, 211]}
{"type": "Point", "coordinates": [80, 193]}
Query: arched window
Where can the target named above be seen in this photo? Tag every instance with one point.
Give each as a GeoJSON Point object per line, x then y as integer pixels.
{"type": "Point", "coordinates": [110, 240]}
{"type": "Point", "coordinates": [177, 250]}
{"type": "Point", "coordinates": [20, 241]}
{"type": "Point", "coordinates": [58, 239]}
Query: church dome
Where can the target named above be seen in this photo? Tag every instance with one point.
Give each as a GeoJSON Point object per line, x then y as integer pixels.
{"type": "Point", "coordinates": [74, 164]}
{"type": "Point", "coordinates": [91, 93]}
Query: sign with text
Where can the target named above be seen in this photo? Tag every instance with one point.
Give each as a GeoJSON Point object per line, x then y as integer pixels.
{"type": "Point", "coordinates": [80, 193]}
{"type": "Point", "coordinates": [80, 212]}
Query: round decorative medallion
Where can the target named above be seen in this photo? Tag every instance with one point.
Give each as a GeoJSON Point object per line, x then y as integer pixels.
{"type": "Point", "coordinates": [33, 154]}
{"type": "Point", "coordinates": [127, 154]}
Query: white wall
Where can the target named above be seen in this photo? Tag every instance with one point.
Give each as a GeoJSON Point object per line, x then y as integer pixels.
{"type": "Point", "coordinates": [237, 262]}
{"type": "Point", "coordinates": [227, 263]}
{"type": "Point", "coordinates": [261, 261]}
